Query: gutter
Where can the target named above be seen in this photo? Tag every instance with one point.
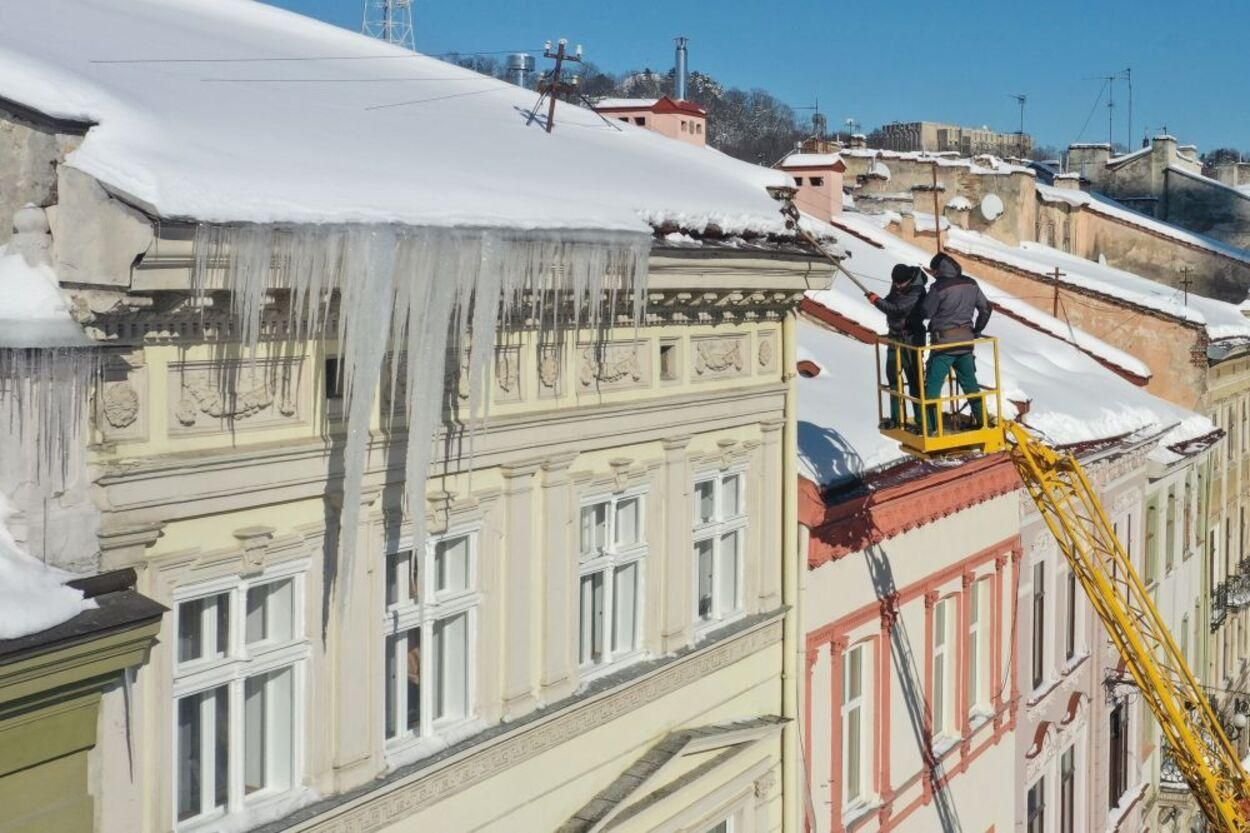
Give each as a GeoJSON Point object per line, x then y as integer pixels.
{"type": "Point", "coordinates": [793, 563]}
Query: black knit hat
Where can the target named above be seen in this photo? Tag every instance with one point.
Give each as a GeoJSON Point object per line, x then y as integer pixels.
{"type": "Point", "coordinates": [904, 274]}
{"type": "Point", "coordinates": [944, 266]}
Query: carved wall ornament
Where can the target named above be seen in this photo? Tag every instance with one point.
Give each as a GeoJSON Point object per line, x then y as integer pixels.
{"type": "Point", "coordinates": [612, 365]}
{"type": "Point", "coordinates": [766, 353]}
{"type": "Point", "coordinates": [718, 356]}
{"type": "Point", "coordinates": [549, 366]}
{"type": "Point", "coordinates": [765, 784]}
{"type": "Point", "coordinates": [121, 404]}
{"type": "Point", "coordinates": [507, 373]}
{"type": "Point", "coordinates": [237, 392]}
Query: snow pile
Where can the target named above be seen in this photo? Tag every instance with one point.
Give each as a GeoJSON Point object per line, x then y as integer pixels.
{"type": "Point", "coordinates": [626, 103]}
{"type": "Point", "coordinates": [959, 203]}
{"type": "Point", "coordinates": [982, 164]}
{"type": "Point", "coordinates": [33, 312]}
{"type": "Point", "coordinates": [33, 596]}
{"type": "Point", "coordinates": [223, 112]}
{"type": "Point", "coordinates": [838, 437]}
{"type": "Point", "coordinates": [879, 170]}
{"type": "Point", "coordinates": [1220, 319]}
{"type": "Point", "coordinates": [1103, 205]}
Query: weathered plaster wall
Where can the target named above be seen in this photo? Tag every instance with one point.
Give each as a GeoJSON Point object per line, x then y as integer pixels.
{"type": "Point", "coordinates": [29, 156]}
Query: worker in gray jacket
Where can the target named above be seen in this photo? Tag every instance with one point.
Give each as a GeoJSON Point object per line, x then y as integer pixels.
{"type": "Point", "coordinates": [957, 311]}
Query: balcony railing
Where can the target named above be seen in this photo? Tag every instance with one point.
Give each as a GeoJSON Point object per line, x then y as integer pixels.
{"type": "Point", "coordinates": [1238, 586]}
{"type": "Point", "coordinates": [1169, 773]}
{"type": "Point", "coordinates": [1219, 605]}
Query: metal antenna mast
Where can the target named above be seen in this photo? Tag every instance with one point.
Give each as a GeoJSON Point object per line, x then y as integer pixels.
{"type": "Point", "coordinates": [389, 20]}
{"type": "Point", "coordinates": [1020, 98]}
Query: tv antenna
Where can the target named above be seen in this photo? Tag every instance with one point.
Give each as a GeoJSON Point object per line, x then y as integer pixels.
{"type": "Point", "coordinates": [389, 20]}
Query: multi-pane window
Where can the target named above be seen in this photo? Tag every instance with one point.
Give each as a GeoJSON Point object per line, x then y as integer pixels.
{"type": "Point", "coordinates": [1067, 791]}
{"type": "Point", "coordinates": [1117, 771]}
{"type": "Point", "coordinates": [854, 724]}
{"type": "Point", "coordinates": [979, 645]}
{"type": "Point", "coordinates": [1035, 818]}
{"type": "Point", "coordinates": [944, 668]}
{"type": "Point", "coordinates": [719, 539]}
{"type": "Point", "coordinates": [1039, 623]}
{"type": "Point", "coordinates": [1169, 535]}
{"type": "Point", "coordinates": [613, 548]}
{"type": "Point", "coordinates": [1069, 625]}
{"type": "Point", "coordinates": [430, 621]}
{"type": "Point", "coordinates": [239, 655]}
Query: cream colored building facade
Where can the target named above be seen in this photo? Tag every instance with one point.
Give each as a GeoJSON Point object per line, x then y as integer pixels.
{"type": "Point", "coordinates": [605, 576]}
{"type": "Point", "coordinates": [599, 633]}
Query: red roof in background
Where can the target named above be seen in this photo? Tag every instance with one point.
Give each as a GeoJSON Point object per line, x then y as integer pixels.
{"type": "Point", "coordinates": [663, 104]}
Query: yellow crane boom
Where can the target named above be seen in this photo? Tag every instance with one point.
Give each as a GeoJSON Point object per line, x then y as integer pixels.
{"type": "Point", "coordinates": [1075, 515]}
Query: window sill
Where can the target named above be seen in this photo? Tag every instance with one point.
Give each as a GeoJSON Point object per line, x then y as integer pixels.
{"type": "Point", "coordinates": [587, 674]}
{"type": "Point", "coordinates": [406, 750]}
{"type": "Point", "coordinates": [705, 628]}
{"type": "Point", "coordinates": [253, 813]}
{"type": "Point", "coordinates": [858, 809]}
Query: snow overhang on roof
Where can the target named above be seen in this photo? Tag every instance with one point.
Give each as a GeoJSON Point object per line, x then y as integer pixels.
{"type": "Point", "coordinates": [218, 112]}
{"type": "Point", "coordinates": [814, 160]}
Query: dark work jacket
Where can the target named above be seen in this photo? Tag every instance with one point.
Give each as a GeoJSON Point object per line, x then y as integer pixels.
{"type": "Point", "coordinates": [956, 309]}
{"type": "Point", "coordinates": [904, 312]}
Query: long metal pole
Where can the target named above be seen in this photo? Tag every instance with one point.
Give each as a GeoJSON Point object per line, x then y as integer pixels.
{"type": "Point", "coordinates": [937, 217]}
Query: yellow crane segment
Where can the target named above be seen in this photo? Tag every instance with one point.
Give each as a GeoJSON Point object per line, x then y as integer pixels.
{"type": "Point", "coordinates": [1068, 503]}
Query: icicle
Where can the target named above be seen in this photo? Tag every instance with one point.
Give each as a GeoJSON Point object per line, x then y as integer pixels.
{"type": "Point", "coordinates": [423, 295]}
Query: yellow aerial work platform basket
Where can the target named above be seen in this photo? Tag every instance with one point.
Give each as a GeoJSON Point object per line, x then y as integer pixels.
{"type": "Point", "coordinates": [946, 423]}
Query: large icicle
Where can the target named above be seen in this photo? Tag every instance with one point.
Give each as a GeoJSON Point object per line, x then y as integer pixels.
{"type": "Point", "coordinates": [420, 296]}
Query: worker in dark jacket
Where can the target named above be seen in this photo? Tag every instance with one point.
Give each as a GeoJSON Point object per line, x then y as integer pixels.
{"type": "Point", "coordinates": [957, 311]}
{"type": "Point", "coordinates": [904, 315]}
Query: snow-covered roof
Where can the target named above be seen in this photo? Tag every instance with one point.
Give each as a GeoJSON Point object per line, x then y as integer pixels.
{"type": "Point", "coordinates": [1115, 161]}
{"type": "Point", "coordinates": [838, 437]}
{"type": "Point", "coordinates": [1104, 205]}
{"type": "Point", "coordinates": [983, 164]}
{"type": "Point", "coordinates": [1221, 319]}
{"type": "Point", "coordinates": [236, 111]}
{"type": "Point", "coordinates": [626, 103]}
{"type": "Point", "coordinates": [811, 160]}
{"type": "Point", "coordinates": [33, 312]}
{"type": "Point", "coordinates": [959, 203]}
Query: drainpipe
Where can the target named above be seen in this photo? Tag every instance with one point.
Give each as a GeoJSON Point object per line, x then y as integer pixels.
{"type": "Point", "coordinates": [792, 569]}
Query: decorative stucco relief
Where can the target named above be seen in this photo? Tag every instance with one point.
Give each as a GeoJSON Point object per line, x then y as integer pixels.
{"type": "Point", "coordinates": [550, 371]}
{"type": "Point", "coordinates": [720, 357]}
{"type": "Point", "coordinates": [766, 352]}
{"type": "Point", "coordinates": [236, 394]}
{"type": "Point", "coordinates": [120, 413]}
{"type": "Point", "coordinates": [614, 366]}
{"type": "Point", "coordinates": [508, 374]}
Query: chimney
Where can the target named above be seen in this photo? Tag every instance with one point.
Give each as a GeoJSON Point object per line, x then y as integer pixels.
{"type": "Point", "coordinates": [680, 90]}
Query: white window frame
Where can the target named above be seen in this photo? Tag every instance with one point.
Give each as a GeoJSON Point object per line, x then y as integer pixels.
{"type": "Point", "coordinates": [862, 703]}
{"type": "Point", "coordinates": [607, 562]}
{"type": "Point", "coordinates": [720, 526]}
{"type": "Point", "coordinates": [980, 628]}
{"type": "Point", "coordinates": [422, 615]}
{"type": "Point", "coordinates": [944, 710]}
{"type": "Point", "coordinates": [231, 668]}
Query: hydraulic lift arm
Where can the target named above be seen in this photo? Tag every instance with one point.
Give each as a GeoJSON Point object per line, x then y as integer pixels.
{"type": "Point", "coordinates": [1063, 494]}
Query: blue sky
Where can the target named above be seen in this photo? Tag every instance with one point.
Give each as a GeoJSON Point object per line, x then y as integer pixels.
{"type": "Point", "coordinates": [903, 60]}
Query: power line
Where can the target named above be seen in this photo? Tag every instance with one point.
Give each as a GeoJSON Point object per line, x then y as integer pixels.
{"type": "Point", "coordinates": [299, 58]}
{"type": "Point", "coordinates": [502, 86]}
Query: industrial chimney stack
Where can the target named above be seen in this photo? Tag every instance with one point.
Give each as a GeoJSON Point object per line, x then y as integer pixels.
{"type": "Point", "coordinates": [519, 67]}
{"type": "Point", "coordinates": [681, 68]}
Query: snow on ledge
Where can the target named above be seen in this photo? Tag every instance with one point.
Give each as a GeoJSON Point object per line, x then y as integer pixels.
{"type": "Point", "coordinates": [33, 596]}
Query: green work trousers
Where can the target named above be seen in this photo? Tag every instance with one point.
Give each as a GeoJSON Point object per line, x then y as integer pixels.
{"type": "Point", "coordinates": [940, 364]}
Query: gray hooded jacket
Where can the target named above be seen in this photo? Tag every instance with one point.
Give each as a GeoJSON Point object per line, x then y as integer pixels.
{"type": "Point", "coordinates": [956, 308]}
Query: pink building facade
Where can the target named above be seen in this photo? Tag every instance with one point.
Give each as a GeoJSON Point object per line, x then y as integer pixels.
{"type": "Point", "coordinates": [818, 176]}
{"type": "Point", "coordinates": [684, 121]}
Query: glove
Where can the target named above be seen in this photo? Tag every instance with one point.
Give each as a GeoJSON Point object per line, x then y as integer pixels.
{"type": "Point", "coordinates": [873, 298]}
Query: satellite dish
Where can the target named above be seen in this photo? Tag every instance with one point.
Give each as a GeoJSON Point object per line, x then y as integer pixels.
{"type": "Point", "coordinates": [991, 207]}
